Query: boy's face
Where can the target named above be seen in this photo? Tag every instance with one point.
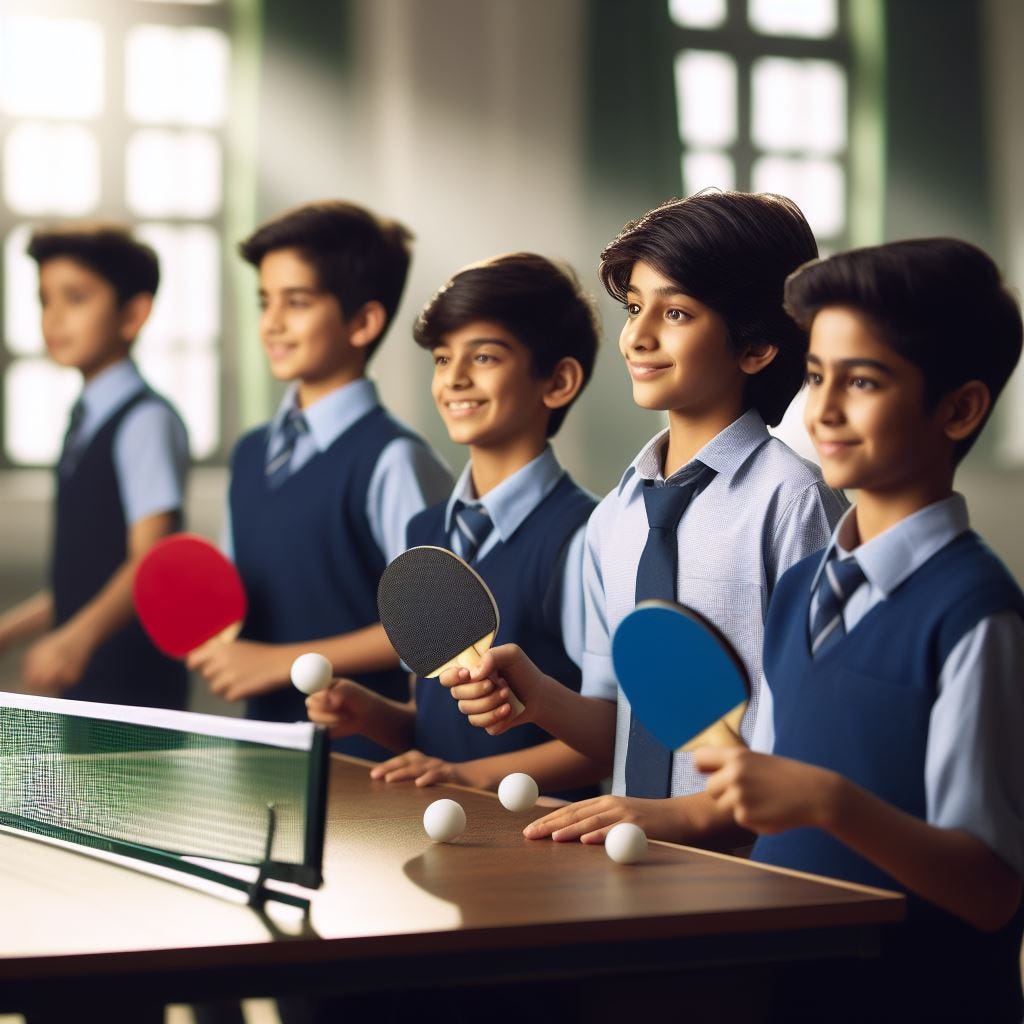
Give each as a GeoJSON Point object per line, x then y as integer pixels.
{"type": "Point", "coordinates": [676, 348]}
{"type": "Point", "coordinates": [865, 409]}
{"type": "Point", "coordinates": [84, 326]}
{"type": "Point", "coordinates": [485, 389]}
{"type": "Point", "coordinates": [302, 327]}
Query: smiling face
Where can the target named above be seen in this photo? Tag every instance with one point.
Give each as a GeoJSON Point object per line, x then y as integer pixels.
{"type": "Point", "coordinates": [486, 391]}
{"type": "Point", "coordinates": [676, 349]}
{"type": "Point", "coordinates": [866, 411]}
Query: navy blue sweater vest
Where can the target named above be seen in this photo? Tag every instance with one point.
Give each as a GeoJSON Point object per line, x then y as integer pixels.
{"type": "Point", "coordinates": [90, 545]}
{"type": "Point", "coordinates": [524, 573]}
{"type": "Point", "coordinates": [862, 709]}
{"type": "Point", "coordinates": [308, 558]}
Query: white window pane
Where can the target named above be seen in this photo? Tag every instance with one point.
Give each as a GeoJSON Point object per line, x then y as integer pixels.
{"type": "Point", "coordinates": [798, 104]}
{"type": "Point", "coordinates": [37, 399]}
{"type": "Point", "coordinates": [187, 308]}
{"type": "Point", "coordinates": [51, 67]}
{"type": "Point", "coordinates": [190, 380]}
{"type": "Point", "coordinates": [811, 19]}
{"type": "Point", "coordinates": [818, 187]}
{"type": "Point", "coordinates": [708, 170]}
{"type": "Point", "coordinates": [697, 13]}
{"type": "Point", "coordinates": [173, 174]}
{"type": "Point", "coordinates": [176, 75]}
{"type": "Point", "coordinates": [706, 98]}
{"type": "Point", "coordinates": [22, 332]}
{"type": "Point", "coordinates": [51, 169]}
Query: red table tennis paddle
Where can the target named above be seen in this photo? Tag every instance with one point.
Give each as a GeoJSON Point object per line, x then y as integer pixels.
{"type": "Point", "coordinates": [186, 592]}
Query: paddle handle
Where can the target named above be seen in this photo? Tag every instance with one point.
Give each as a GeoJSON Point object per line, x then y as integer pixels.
{"type": "Point", "coordinates": [723, 733]}
{"type": "Point", "coordinates": [470, 658]}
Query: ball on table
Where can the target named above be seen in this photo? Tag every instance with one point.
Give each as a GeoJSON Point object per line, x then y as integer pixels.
{"type": "Point", "coordinates": [443, 820]}
{"type": "Point", "coordinates": [311, 673]}
{"type": "Point", "coordinates": [625, 843]}
{"type": "Point", "coordinates": [518, 792]}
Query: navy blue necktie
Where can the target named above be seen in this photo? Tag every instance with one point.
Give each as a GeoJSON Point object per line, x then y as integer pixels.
{"type": "Point", "coordinates": [840, 577]}
{"type": "Point", "coordinates": [648, 761]}
{"type": "Point", "coordinates": [72, 447]}
{"type": "Point", "coordinates": [473, 523]}
{"type": "Point", "coordinates": [278, 469]}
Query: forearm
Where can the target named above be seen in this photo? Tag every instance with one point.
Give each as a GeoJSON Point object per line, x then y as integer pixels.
{"type": "Point", "coordinates": [390, 723]}
{"type": "Point", "coordinates": [362, 650]}
{"type": "Point", "coordinates": [699, 821]}
{"type": "Point", "coordinates": [34, 615]}
{"type": "Point", "coordinates": [552, 765]}
{"type": "Point", "coordinates": [584, 723]}
{"type": "Point", "coordinates": [110, 610]}
{"type": "Point", "coordinates": [947, 867]}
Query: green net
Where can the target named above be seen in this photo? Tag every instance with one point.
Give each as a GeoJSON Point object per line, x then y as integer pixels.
{"type": "Point", "coordinates": [133, 780]}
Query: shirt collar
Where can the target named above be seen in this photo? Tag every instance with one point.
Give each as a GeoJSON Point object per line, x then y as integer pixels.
{"type": "Point", "coordinates": [514, 498]}
{"type": "Point", "coordinates": [725, 453]}
{"type": "Point", "coordinates": [897, 553]}
{"type": "Point", "coordinates": [329, 417]}
{"type": "Point", "coordinates": [110, 389]}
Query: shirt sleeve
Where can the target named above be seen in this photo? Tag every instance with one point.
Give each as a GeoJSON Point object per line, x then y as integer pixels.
{"type": "Point", "coordinates": [804, 527]}
{"type": "Point", "coordinates": [408, 478]}
{"type": "Point", "coordinates": [972, 763]}
{"type": "Point", "coordinates": [151, 460]}
{"type": "Point", "coordinates": [762, 737]}
{"type": "Point", "coordinates": [597, 668]}
{"type": "Point", "coordinates": [573, 617]}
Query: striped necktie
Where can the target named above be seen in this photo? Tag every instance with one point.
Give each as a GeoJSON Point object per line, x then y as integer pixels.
{"type": "Point", "coordinates": [278, 469]}
{"type": "Point", "coordinates": [472, 525]}
{"type": "Point", "coordinates": [72, 447]}
{"type": "Point", "coordinates": [840, 577]}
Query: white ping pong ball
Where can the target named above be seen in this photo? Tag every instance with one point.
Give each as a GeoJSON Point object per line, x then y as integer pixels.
{"type": "Point", "coordinates": [311, 673]}
{"type": "Point", "coordinates": [443, 820]}
{"type": "Point", "coordinates": [625, 843]}
{"type": "Point", "coordinates": [518, 792]}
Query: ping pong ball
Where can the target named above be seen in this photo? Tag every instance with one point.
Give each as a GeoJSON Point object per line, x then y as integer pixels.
{"type": "Point", "coordinates": [443, 820]}
{"type": "Point", "coordinates": [625, 843]}
{"type": "Point", "coordinates": [311, 673]}
{"type": "Point", "coordinates": [518, 792]}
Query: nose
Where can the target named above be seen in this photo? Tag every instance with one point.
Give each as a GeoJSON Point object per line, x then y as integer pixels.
{"type": "Point", "coordinates": [455, 373]}
{"type": "Point", "coordinates": [824, 403]}
{"type": "Point", "coordinates": [271, 319]}
{"type": "Point", "coordinates": [637, 335]}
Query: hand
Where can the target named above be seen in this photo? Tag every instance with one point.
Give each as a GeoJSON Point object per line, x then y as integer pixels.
{"type": "Point", "coordinates": [343, 708]}
{"type": "Point", "coordinates": [55, 662]}
{"type": "Point", "coordinates": [425, 771]}
{"type": "Point", "coordinates": [589, 820]}
{"type": "Point", "coordinates": [240, 668]}
{"type": "Point", "coordinates": [768, 794]}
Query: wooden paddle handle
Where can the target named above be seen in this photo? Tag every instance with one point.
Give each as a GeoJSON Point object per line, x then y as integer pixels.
{"type": "Point", "coordinates": [471, 657]}
{"type": "Point", "coordinates": [723, 733]}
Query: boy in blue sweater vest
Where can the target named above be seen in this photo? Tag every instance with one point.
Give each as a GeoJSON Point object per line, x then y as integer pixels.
{"type": "Point", "coordinates": [513, 341]}
{"type": "Point", "coordinates": [892, 699]}
{"type": "Point", "coordinates": [707, 341]}
{"type": "Point", "coordinates": [320, 497]}
{"type": "Point", "coordinates": [120, 478]}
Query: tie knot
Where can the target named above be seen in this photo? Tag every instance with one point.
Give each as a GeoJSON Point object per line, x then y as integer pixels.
{"type": "Point", "coordinates": [845, 576]}
{"type": "Point", "coordinates": [666, 503]}
{"type": "Point", "coordinates": [473, 523]}
{"type": "Point", "coordinates": [295, 424]}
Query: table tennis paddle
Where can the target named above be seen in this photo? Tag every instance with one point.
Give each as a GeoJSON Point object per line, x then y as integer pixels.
{"type": "Point", "coordinates": [683, 678]}
{"type": "Point", "coordinates": [186, 592]}
{"type": "Point", "coordinates": [437, 612]}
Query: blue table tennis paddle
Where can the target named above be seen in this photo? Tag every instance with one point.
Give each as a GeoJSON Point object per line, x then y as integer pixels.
{"type": "Point", "coordinates": [683, 678]}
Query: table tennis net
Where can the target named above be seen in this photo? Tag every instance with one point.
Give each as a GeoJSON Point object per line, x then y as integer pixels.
{"type": "Point", "coordinates": [151, 784]}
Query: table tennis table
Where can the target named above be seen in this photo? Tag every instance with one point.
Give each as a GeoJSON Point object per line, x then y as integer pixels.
{"type": "Point", "coordinates": [396, 910]}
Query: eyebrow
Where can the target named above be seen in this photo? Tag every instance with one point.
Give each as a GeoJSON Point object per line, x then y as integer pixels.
{"type": "Point", "coordinates": [849, 364]}
{"type": "Point", "coordinates": [477, 342]}
{"type": "Point", "coordinates": [664, 290]}
{"type": "Point", "coordinates": [291, 291]}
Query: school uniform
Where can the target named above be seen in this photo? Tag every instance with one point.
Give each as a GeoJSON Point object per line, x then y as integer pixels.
{"type": "Point", "coordinates": [311, 547]}
{"type": "Point", "coordinates": [917, 699]}
{"type": "Point", "coordinates": [125, 459]}
{"type": "Point", "coordinates": [530, 559]}
{"type": "Point", "coordinates": [760, 509]}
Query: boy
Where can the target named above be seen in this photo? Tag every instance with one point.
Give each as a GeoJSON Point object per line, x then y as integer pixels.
{"type": "Point", "coordinates": [513, 342]}
{"type": "Point", "coordinates": [120, 478]}
{"type": "Point", "coordinates": [892, 697]}
{"type": "Point", "coordinates": [712, 510]}
{"type": "Point", "coordinates": [320, 497]}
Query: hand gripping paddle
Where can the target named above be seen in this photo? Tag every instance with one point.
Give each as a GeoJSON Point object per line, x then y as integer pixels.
{"type": "Point", "coordinates": [437, 612]}
{"type": "Point", "coordinates": [186, 592]}
{"type": "Point", "coordinates": [683, 678]}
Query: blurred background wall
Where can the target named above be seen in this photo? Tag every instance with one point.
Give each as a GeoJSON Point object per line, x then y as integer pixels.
{"type": "Point", "coordinates": [486, 126]}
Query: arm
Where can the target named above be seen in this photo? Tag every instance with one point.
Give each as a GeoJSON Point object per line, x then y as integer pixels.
{"type": "Point", "coordinates": [58, 660]}
{"type": "Point", "coordinates": [33, 615]}
{"type": "Point", "coordinates": [348, 708]}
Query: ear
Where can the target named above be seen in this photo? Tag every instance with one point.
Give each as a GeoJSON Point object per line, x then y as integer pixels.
{"type": "Point", "coordinates": [366, 324]}
{"type": "Point", "coordinates": [757, 357]}
{"type": "Point", "coordinates": [133, 315]}
{"type": "Point", "coordinates": [964, 409]}
{"type": "Point", "coordinates": [564, 383]}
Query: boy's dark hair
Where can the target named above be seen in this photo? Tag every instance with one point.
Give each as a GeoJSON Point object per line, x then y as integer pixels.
{"type": "Point", "coordinates": [939, 303]}
{"type": "Point", "coordinates": [731, 251]}
{"type": "Point", "coordinates": [539, 302]}
{"type": "Point", "coordinates": [109, 250]}
{"type": "Point", "coordinates": [358, 256]}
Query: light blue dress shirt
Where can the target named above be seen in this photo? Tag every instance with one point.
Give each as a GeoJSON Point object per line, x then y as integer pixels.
{"type": "Point", "coordinates": [508, 505]}
{"type": "Point", "coordinates": [408, 476]}
{"type": "Point", "coordinates": [151, 456]}
{"type": "Point", "coordinates": [765, 509]}
{"type": "Point", "coordinates": [973, 765]}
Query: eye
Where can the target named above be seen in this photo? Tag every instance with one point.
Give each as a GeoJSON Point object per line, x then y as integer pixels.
{"type": "Point", "coordinates": [812, 378]}
{"type": "Point", "coordinates": [863, 383]}
{"type": "Point", "coordinates": [632, 309]}
{"type": "Point", "coordinates": [484, 358]}
{"type": "Point", "coordinates": [298, 303]}
{"type": "Point", "coordinates": [440, 360]}
{"type": "Point", "coordinates": [677, 316]}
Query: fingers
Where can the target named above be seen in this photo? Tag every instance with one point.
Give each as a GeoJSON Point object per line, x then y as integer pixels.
{"type": "Point", "coordinates": [472, 691]}
{"type": "Point", "coordinates": [489, 719]}
{"type": "Point", "coordinates": [564, 817]}
{"type": "Point", "coordinates": [710, 759]}
{"type": "Point", "coordinates": [480, 706]}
